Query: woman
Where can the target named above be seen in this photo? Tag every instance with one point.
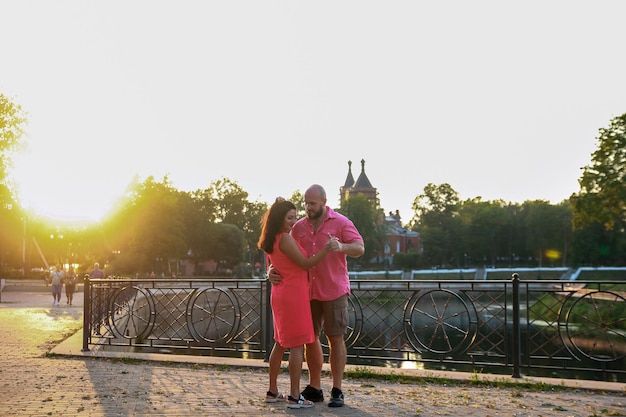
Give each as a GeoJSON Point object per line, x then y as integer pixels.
{"type": "Point", "coordinates": [70, 285]}
{"type": "Point", "coordinates": [291, 309]}
{"type": "Point", "coordinates": [56, 280]}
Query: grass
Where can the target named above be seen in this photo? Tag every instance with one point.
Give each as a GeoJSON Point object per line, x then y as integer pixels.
{"type": "Point", "coordinates": [368, 375]}
{"type": "Point", "coordinates": [474, 380]}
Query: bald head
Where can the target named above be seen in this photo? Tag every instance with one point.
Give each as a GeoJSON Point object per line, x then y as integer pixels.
{"type": "Point", "coordinates": [316, 190]}
{"type": "Point", "coordinates": [315, 202]}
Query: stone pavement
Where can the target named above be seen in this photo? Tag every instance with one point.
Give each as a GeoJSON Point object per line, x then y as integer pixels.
{"type": "Point", "coordinates": [44, 373]}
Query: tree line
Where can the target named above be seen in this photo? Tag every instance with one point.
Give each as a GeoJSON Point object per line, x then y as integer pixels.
{"type": "Point", "coordinates": [154, 226]}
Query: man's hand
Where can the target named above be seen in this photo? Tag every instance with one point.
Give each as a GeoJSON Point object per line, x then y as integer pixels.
{"type": "Point", "coordinates": [333, 244]}
{"type": "Point", "coordinates": [354, 249]}
{"type": "Point", "coordinates": [273, 276]}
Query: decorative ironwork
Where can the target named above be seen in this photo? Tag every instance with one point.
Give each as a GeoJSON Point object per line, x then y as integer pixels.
{"type": "Point", "coordinates": [440, 321]}
{"type": "Point", "coordinates": [132, 312]}
{"type": "Point", "coordinates": [213, 315]}
{"type": "Point", "coordinates": [460, 324]}
{"type": "Point", "coordinates": [593, 327]}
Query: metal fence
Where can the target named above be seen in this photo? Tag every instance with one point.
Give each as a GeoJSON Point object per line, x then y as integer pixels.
{"type": "Point", "coordinates": [515, 327]}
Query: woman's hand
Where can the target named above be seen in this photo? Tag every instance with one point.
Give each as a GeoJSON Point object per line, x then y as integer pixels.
{"type": "Point", "coordinates": [333, 244]}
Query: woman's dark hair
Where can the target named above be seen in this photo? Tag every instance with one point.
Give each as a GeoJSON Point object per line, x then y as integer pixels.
{"type": "Point", "coordinates": [272, 223]}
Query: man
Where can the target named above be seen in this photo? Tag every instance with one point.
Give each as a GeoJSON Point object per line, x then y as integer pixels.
{"type": "Point", "coordinates": [96, 272]}
{"type": "Point", "coordinates": [57, 276]}
{"type": "Point", "coordinates": [330, 288]}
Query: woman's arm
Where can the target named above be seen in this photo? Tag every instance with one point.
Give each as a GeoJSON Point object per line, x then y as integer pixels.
{"type": "Point", "coordinates": [289, 247]}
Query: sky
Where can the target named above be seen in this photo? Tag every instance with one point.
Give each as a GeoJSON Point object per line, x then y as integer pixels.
{"type": "Point", "coordinates": [501, 100]}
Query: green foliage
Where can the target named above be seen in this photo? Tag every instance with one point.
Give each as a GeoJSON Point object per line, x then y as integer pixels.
{"type": "Point", "coordinates": [603, 275]}
{"type": "Point", "coordinates": [599, 208]}
{"type": "Point", "coordinates": [154, 222]}
{"type": "Point", "coordinates": [584, 313]}
{"type": "Point", "coordinates": [363, 214]}
{"type": "Point", "coordinates": [436, 219]}
{"type": "Point", "coordinates": [229, 242]}
{"type": "Point", "coordinates": [297, 198]}
{"type": "Point", "coordinates": [12, 121]}
{"type": "Point", "coordinates": [148, 231]}
{"type": "Point", "coordinates": [588, 229]}
{"type": "Point", "coordinates": [602, 195]}
{"type": "Point", "coordinates": [476, 380]}
{"type": "Point", "coordinates": [476, 233]}
{"type": "Point", "coordinates": [407, 261]}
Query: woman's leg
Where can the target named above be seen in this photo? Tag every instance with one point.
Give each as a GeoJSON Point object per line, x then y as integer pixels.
{"type": "Point", "coordinates": [295, 369]}
{"type": "Point", "coordinates": [276, 358]}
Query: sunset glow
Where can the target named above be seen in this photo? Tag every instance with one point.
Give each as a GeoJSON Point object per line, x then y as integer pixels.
{"type": "Point", "coordinates": [277, 96]}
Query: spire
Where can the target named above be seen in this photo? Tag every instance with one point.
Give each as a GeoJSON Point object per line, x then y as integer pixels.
{"type": "Point", "coordinates": [350, 179]}
{"type": "Point", "coordinates": [363, 181]}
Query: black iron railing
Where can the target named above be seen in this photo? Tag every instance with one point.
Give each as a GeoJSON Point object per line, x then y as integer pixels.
{"type": "Point", "coordinates": [515, 327]}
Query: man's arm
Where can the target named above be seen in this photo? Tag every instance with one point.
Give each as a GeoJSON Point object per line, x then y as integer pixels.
{"type": "Point", "coordinates": [273, 276]}
{"type": "Point", "coordinates": [352, 249]}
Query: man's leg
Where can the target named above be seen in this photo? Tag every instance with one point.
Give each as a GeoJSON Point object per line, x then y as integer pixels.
{"type": "Point", "coordinates": [338, 358]}
{"type": "Point", "coordinates": [315, 361]}
{"type": "Point", "coordinates": [336, 323]}
{"type": "Point", "coordinates": [315, 357]}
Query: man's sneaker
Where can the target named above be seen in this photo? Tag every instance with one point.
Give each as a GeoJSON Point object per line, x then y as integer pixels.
{"type": "Point", "coordinates": [336, 398]}
{"type": "Point", "coordinates": [312, 394]}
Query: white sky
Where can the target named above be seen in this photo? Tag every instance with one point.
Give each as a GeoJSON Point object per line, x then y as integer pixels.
{"type": "Point", "coordinates": [502, 100]}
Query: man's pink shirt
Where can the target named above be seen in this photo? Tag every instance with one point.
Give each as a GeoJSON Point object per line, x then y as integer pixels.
{"type": "Point", "coordinates": [329, 280]}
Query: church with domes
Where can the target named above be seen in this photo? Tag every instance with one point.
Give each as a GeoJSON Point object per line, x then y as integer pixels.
{"type": "Point", "coordinates": [398, 238]}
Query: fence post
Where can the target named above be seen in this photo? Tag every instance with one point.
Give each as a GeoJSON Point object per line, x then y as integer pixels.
{"type": "Point", "coordinates": [86, 313]}
{"type": "Point", "coordinates": [516, 327]}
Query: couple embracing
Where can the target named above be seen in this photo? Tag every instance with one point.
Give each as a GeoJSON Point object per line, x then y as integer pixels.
{"type": "Point", "coordinates": [310, 291]}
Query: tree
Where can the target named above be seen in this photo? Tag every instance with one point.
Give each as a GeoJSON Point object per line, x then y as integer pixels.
{"type": "Point", "coordinates": [297, 198]}
{"type": "Point", "coordinates": [228, 245]}
{"type": "Point", "coordinates": [602, 195]}
{"type": "Point", "coordinates": [255, 211]}
{"type": "Point", "coordinates": [231, 201]}
{"type": "Point", "coordinates": [485, 233]}
{"type": "Point", "coordinates": [12, 120]}
{"type": "Point", "coordinates": [543, 224]}
{"type": "Point", "coordinates": [436, 218]}
{"type": "Point", "coordinates": [435, 200]}
{"type": "Point", "coordinates": [363, 214]}
{"type": "Point", "coordinates": [149, 231]}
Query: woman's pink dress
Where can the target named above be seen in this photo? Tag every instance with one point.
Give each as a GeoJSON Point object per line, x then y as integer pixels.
{"type": "Point", "coordinates": [291, 307]}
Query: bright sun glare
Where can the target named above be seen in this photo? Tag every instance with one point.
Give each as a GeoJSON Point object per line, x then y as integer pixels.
{"type": "Point", "coordinates": [76, 199]}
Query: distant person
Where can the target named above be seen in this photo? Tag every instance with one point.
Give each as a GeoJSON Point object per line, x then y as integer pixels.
{"type": "Point", "coordinates": [96, 272]}
{"type": "Point", "coordinates": [291, 309]}
{"type": "Point", "coordinates": [56, 280]}
{"type": "Point", "coordinates": [70, 285]}
{"type": "Point", "coordinates": [330, 288]}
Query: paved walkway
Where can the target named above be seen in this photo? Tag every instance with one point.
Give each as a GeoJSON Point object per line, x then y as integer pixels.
{"type": "Point", "coordinates": [44, 373]}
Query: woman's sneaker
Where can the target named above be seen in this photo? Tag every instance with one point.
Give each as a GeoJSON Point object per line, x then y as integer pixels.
{"type": "Point", "coordinates": [299, 402]}
{"type": "Point", "coordinates": [336, 398]}
{"type": "Point", "coordinates": [313, 394]}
